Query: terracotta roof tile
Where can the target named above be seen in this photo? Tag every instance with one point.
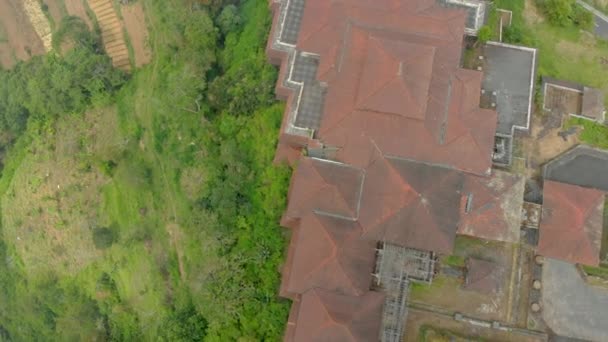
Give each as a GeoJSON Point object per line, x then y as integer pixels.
{"type": "Point", "coordinates": [324, 186]}
{"type": "Point", "coordinates": [571, 224]}
{"type": "Point", "coordinates": [329, 254]}
{"type": "Point", "coordinates": [411, 204]}
{"type": "Point", "coordinates": [327, 316]}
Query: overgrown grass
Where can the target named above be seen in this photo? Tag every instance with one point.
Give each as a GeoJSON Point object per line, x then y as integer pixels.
{"type": "Point", "coordinates": [564, 52]}
{"type": "Point", "coordinates": [601, 272]}
{"type": "Point", "coordinates": [453, 260]}
{"type": "Point", "coordinates": [593, 133]}
{"type": "Point", "coordinates": [428, 333]}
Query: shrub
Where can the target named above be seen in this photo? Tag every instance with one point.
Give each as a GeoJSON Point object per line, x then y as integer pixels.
{"type": "Point", "coordinates": [103, 237]}
{"type": "Point", "coordinates": [582, 18]}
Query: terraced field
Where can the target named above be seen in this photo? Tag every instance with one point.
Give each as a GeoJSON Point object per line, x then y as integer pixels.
{"type": "Point", "coordinates": [112, 33]}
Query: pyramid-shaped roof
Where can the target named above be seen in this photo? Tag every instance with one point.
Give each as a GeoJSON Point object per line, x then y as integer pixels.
{"type": "Point", "coordinates": [571, 224]}
{"type": "Point", "coordinates": [329, 254]}
{"type": "Point", "coordinates": [328, 316]}
{"type": "Point", "coordinates": [411, 204]}
{"type": "Point", "coordinates": [395, 78]}
{"type": "Point", "coordinates": [324, 186]}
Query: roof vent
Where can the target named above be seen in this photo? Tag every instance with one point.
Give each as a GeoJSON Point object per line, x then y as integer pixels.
{"type": "Point", "coordinates": [467, 207]}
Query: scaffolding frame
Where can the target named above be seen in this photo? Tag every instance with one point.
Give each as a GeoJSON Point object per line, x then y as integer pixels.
{"type": "Point", "coordinates": [396, 267]}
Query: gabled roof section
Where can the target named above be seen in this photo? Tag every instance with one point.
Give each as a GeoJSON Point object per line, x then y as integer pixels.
{"type": "Point", "coordinates": [328, 254]}
{"type": "Point", "coordinates": [324, 186]}
{"type": "Point", "coordinates": [491, 206]}
{"type": "Point", "coordinates": [571, 224]}
{"type": "Point", "coordinates": [328, 316]}
{"type": "Point", "coordinates": [411, 204]}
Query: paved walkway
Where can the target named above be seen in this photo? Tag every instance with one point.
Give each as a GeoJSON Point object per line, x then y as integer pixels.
{"type": "Point", "coordinates": [571, 307]}
{"type": "Point", "coordinates": [601, 20]}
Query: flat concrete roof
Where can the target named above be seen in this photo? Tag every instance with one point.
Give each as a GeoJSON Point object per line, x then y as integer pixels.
{"type": "Point", "coordinates": [582, 165]}
{"type": "Point", "coordinates": [509, 71]}
{"type": "Point", "coordinates": [571, 307]}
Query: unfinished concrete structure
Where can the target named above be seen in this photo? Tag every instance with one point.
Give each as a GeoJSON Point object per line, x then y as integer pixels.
{"type": "Point", "coordinates": [573, 99]}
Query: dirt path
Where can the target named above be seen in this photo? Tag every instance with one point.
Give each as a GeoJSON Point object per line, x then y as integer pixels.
{"type": "Point", "coordinates": [55, 10]}
{"type": "Point", "coordinates": [175, 234]}
{"type": "Point", "coordinates": [39, 22]}
{"type": "Point", "coordinates": [111, 33]}
{"type": "Point", "coordinates": [22, 40]}
{"type": "Point", "coordinates": [135, 23]}
{"type": "Point", "coordinates": [78, 9]}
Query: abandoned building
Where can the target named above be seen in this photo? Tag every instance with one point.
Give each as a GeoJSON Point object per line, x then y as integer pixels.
{"type": "Point", "coordinates": [392, 154]}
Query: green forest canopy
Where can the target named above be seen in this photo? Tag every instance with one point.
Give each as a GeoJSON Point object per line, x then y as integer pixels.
{"type": "Point", "coordinates": [188, 245]}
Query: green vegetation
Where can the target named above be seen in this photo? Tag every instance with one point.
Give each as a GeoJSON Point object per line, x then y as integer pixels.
{"type": "Point", "coordinates": [566, 12]}
{"type": "Point", "coordinates": [145, 208]}
{"type": "Point", "coordinates": [601, 272]}
{"type": "Point", "coordinates": [435, 334]}
{"type": "Point", "coordinates": [564, 52]}
{"type": "Point", "coordinates": [441, 284]}
{"type": "Point", "coordinates": [593, 133]}
{"type": "Point", "coordinates": [600, 5]}
{"type": "Point", "coordinates": [453, 260]}
{"type": "Point", "coordinates": [50, 85]}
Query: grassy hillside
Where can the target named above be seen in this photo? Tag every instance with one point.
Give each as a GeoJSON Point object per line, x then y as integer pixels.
{"type": "Point", "coordinates": [154, 213]}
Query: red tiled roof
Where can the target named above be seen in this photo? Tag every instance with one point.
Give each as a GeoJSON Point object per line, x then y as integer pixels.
{"type": "Point", "coordinates": [393, 77]}
{"type": "Point", "coordinates": [328, 253]}
{"type": "Point", "coordinates": [410, 204]}
{"type": "Point", "coordinates": [327, 316]}
{"type": "Point", "coordinates": [324, 186]}
{"type": "Point", "coordinates": [571, 224]}
{"type": "Point", "coordinates": [491, 206]}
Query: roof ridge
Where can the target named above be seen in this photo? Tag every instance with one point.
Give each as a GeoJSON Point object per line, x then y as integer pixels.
{"type": "Point", "coordinates": [334, 187]}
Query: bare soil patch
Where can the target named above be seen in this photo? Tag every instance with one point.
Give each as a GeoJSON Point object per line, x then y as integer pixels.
{"type": "Point", "coordinates": [78, 9]}
{"type": "Point", "coordinates": [51, 205]}
{"type": "Point", "coordinates": [547, 141]}
{"type": "Point", "coordinates": [135, 23]}
{"type": "Point", "coordinates": [54, 9]}
{"type": "Point", "coordinates": [418, 319]}
{"type": "Point", "coordinates": [39, 21]}
{"type": "Point", "coordinates": [23, 42]}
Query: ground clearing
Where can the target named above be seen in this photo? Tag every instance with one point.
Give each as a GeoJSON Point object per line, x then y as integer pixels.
{"type": "Point", "coordinates": [418, 320]}
{"type": "Point", "coordinates": [547, 140]}
{"type": "Point", "coordinates": [446, 290]}
{"type": "Point", "coordinates": [51, 205]}
{"type": "Point", "coordinates": [135, 24]}
{"type": "Point", "coordinates": [23, 42]}
{"type": "Point", "coordinates": [77, 8]}
{"type": "Point", "coordinates": [55, 9]}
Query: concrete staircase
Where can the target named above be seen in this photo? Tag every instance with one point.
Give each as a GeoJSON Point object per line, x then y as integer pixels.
{"type": "Point", "coordinates": [111, 33]}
